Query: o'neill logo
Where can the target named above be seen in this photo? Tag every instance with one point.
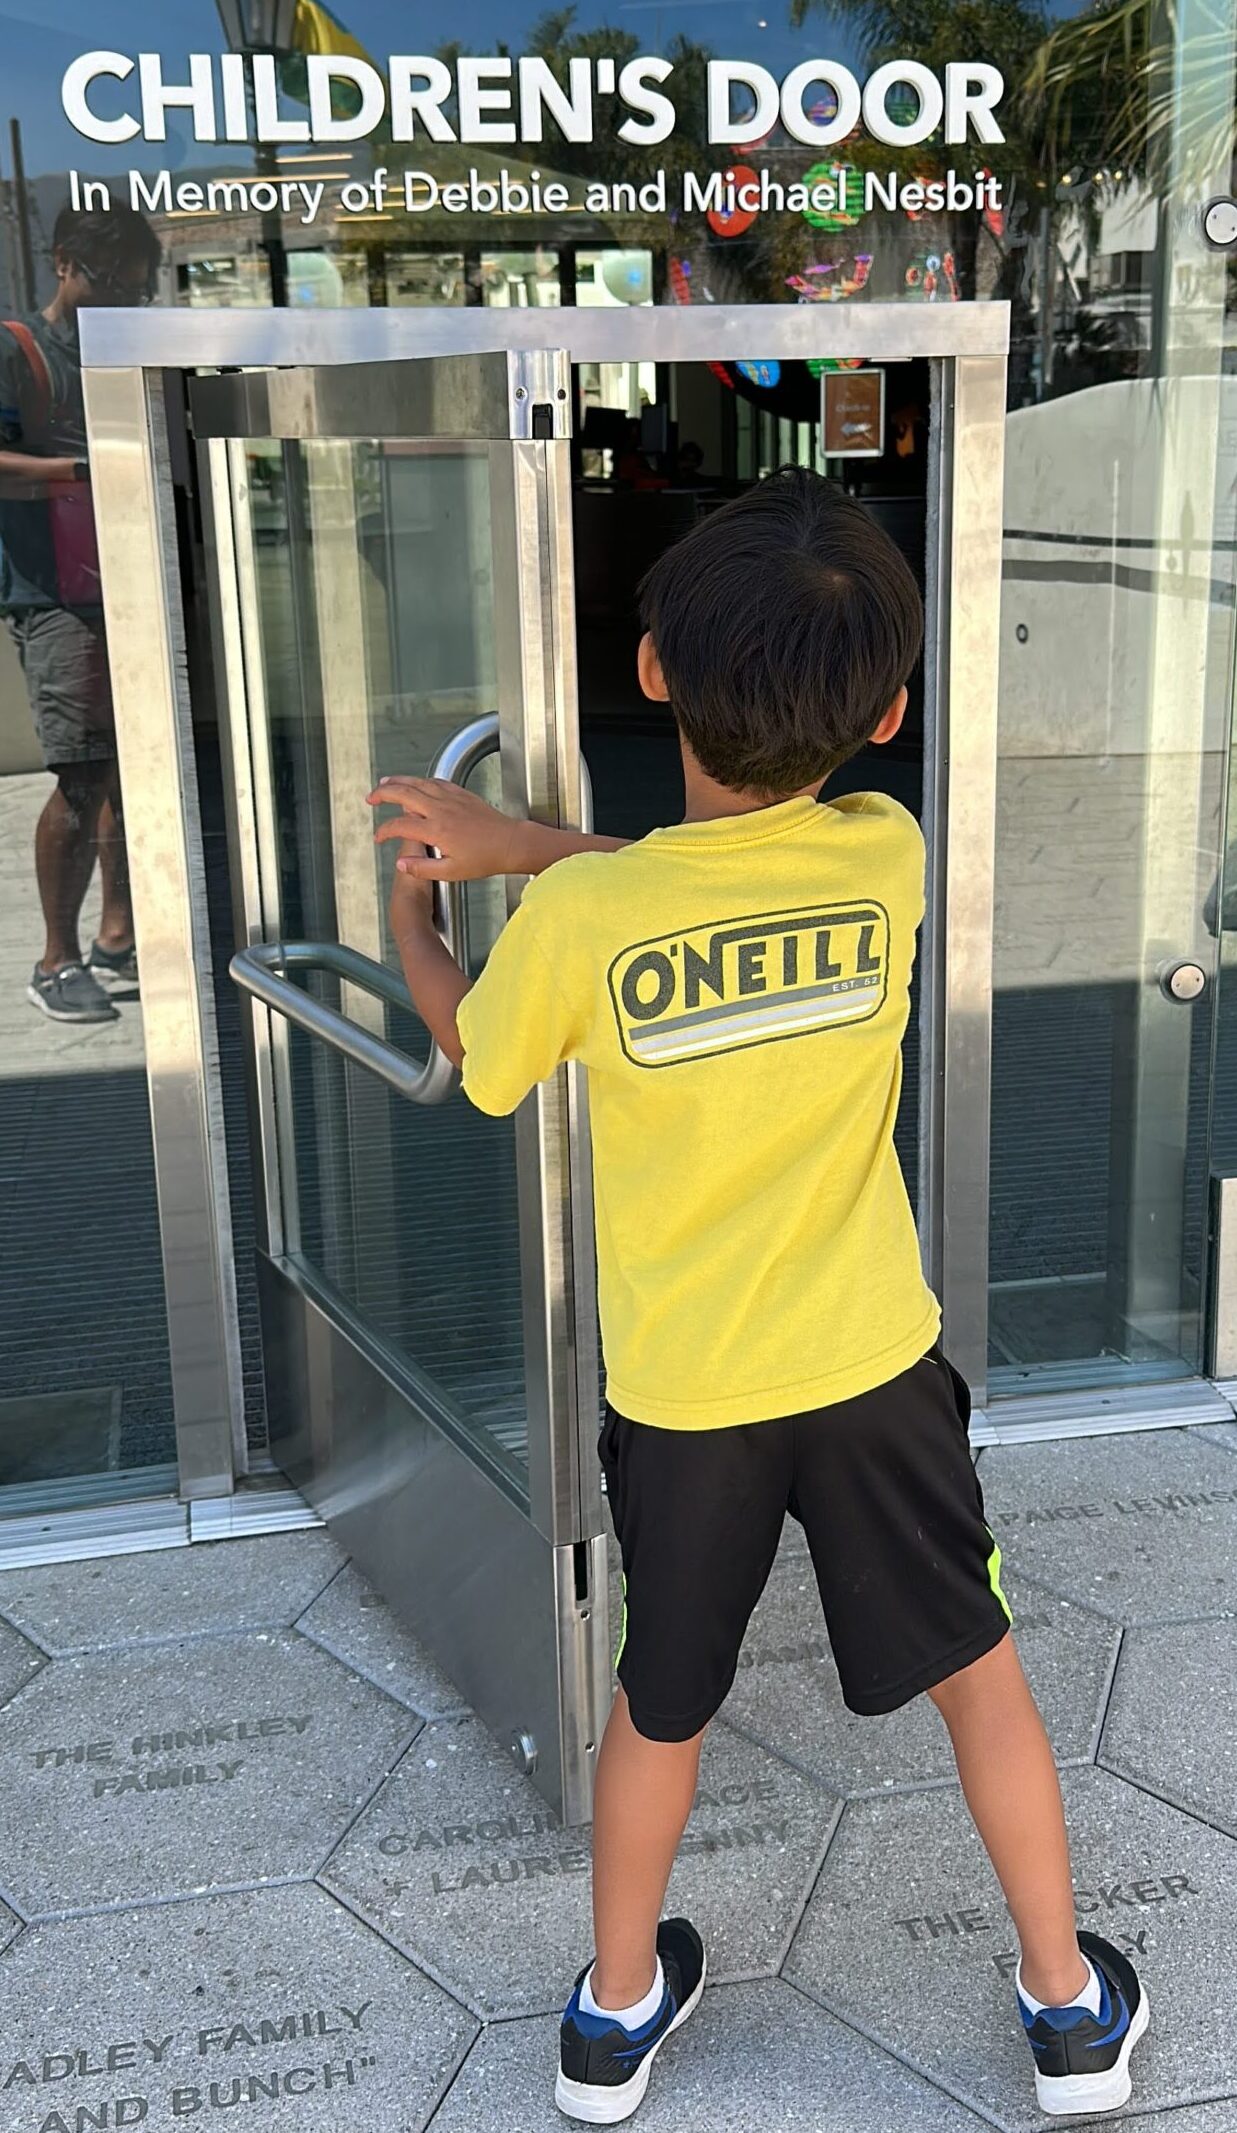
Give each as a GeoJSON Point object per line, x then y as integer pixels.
{"type": "Point", "coordinates": [749, 980]}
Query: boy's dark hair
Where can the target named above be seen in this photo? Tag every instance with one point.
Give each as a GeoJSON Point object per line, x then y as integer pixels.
{"type": "Point", "coordinates": [104, 239]}
{"type": "Point", "coordinates": [785, 624]}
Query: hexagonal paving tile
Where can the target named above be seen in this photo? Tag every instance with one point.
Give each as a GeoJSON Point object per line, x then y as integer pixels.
{"type": "Point", "coordinates": [356, 1623]}
{"type": "Point", "coordinates": [1141, 1527]}
{"type": "Point", "coordinates": [1222, 1433]}
{"type": "Point", "coordinates": [219, 1763]}
{"type": "Point", "coordinates": [906, 1926]}
{"type": "Point", "coordinates": [787, 1694]}
{"type": "Point", "coordinates": [754, 2059]}
{"type": "Point", "coordinates": [279, 2002]}
{"type": "Point", "coordinates": [1170, 1723]}
{"type": "Point", "coordinates": [462, 1864]}
{"type": "Point", "coordinates": [19, 1661]}
{"type": "Point", "coordinates": [170, 1592]}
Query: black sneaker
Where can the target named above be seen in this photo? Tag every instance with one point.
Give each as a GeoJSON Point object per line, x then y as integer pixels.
{"type": "Point", "coordinates": [112, 966]}
{"type": "Point", "coordinates": [70, 994]}
{"type": "Point", "coordinates": [603, 2068]}
{"type": "Point", "coordinates": [1082, 2061]}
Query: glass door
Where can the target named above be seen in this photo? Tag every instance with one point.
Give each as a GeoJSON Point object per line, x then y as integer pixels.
{"type": "Point", "coordinates": [388, 562]}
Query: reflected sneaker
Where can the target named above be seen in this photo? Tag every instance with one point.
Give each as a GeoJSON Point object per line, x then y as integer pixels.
{"type": "Point", "coordinates": [1082, 2060]}
{"type": "Point", "coordinates": [70, 994]}
{"type": "Point", "coordinates": [112, 966]}
{"type": "Point", "coordinates": [603, 2068]}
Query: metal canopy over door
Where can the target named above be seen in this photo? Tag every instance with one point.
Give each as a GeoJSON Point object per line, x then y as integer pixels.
{"type": "Point", "coordinates": [426, 1272]}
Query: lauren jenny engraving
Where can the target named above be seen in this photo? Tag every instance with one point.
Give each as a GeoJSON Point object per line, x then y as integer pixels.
{"type": "Point", "coordinates": [502, 1851]}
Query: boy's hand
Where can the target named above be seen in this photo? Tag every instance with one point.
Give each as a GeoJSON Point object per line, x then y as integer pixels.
{"type": "Point", "coordinates": [475, 839]}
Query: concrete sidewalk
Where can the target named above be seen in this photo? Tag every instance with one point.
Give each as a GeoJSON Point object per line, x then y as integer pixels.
{"type": "Point", "coordinates": [257, 1858]}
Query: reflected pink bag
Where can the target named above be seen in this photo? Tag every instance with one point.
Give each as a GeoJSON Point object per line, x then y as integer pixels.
{"type": "Point", "coordinates": [69, 505]}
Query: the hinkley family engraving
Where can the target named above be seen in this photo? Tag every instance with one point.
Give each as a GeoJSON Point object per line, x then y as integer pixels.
{"type": "Point", "coordinates": [1109, 1904]}
{"type": "Point", "coordinates": [271, 2055]}
{"type": "Point", "coordinates": [499, 1851]}
{"type": "Point", "coordinates": [157, 1761]}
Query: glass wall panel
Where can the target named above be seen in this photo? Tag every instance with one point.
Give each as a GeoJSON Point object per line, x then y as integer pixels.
{"type": "Point", "coordinates": [85, 1383]}
{"type": "Point", "coordinates": [1115, 697]}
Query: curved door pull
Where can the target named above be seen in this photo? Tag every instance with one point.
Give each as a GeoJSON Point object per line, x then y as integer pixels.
{"type": "Point", "coordinates": [262, 968]}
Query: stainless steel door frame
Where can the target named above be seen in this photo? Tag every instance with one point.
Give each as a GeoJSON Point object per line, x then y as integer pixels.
{"type": "Point", "coordinates": [136, 522]}
{"type": "Point", "coordinates": [968, 345]}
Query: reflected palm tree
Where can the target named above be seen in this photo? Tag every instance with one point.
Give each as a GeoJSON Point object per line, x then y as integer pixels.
{"type": "Point", "coordinates": [1127, 84]}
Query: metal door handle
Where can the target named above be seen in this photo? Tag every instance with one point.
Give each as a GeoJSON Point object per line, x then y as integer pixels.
{"type": "Point", "coordinates": [456, 760]}
{"type": "Point", "coordinates": [261, 969]}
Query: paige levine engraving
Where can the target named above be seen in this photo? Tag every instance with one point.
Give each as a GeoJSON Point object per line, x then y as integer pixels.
{"type": "Point", "coordinates": [1159, 1506]}
{"type": "Point", "coordinates": [196, 2091]}
{"type": "Point", "coordinates": [110, 1775]}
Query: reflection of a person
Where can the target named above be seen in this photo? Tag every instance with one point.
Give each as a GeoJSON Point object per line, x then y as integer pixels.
{"type": "Point", "coordinates": [51, 601]}
{"type": "Point", "coordinates": [635, 470]}
{"type": "Point", "coordinates": [689, 466]}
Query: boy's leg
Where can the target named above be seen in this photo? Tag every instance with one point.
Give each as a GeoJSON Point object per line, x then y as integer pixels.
{"type": "Point", "coordinates": [644, 1795]}
{"type": "Point", "coordinates": [910, 1576]}
{"type": "Point", "coordinates": [698, 1515]}
{"type": "Point", "coordinates": [1010, 1783]}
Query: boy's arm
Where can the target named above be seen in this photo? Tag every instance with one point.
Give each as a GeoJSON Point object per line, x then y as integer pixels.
{"type": "Point", "coordinates": [474, 839]}
{"type": "Point", "coordinates": [434, 979]}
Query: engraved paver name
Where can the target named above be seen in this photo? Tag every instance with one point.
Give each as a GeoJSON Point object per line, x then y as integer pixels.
{"type": "Point", "coordinates": [1171, 1503]}
{"type": "Point", "coordinates": [1109, 1897]}
{"type": "Point", "coordinates": [195, 2088]}
{"type": "Point", "coordinates": [111, 1763]}
{"type": "Point", "coordinates": [533, 1847]}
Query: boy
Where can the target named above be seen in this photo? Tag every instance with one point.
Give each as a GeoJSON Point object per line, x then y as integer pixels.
{"type": "Point", "coordinates": [737, 987]}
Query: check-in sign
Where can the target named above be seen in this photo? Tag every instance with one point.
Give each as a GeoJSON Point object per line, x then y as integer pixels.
{"type": "Point", "coordinates": [749, 980]}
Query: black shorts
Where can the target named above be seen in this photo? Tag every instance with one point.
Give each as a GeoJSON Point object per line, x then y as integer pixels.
{"type": "Point", "coordinates": [886, 1490]}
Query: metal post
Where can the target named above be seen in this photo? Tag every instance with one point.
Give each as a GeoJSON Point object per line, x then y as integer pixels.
{"type": "Point", "coordinates": [26, 285]}
{"type": "Point", "coordinates": [266, 163]}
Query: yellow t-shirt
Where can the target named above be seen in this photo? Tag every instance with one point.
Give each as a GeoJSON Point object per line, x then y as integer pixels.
{"type": "Point", "coordinates": [737, 990]}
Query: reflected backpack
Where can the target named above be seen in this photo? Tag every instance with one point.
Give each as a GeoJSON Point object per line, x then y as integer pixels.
{"type": "Point", "coordinates": [69, 508]}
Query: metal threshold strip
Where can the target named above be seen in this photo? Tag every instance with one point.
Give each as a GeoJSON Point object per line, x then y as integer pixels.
{"type": "Point", "coordinates": [1111, 1410]}
{"type": "Point", "coordinates": [133, 1525]}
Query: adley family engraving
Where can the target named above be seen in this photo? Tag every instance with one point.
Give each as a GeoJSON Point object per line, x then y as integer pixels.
{"type": "Point", "coordinates": [188, 2074]}
{"type": "Point", "coordinates": [155, 1762]}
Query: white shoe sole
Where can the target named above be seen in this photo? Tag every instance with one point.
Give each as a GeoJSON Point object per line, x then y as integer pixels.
{"type": "Point", "coordinates": [55, 1014]}
{"type": "Point", "coordinates": [593, 2105]}
{"type": "Point", "coordinates": [1084, 2095]}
